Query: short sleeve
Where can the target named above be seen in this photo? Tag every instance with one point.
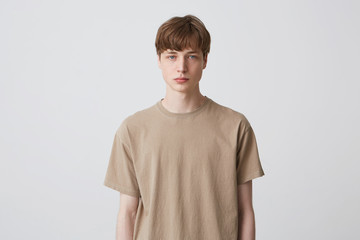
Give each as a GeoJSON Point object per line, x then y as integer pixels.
{"type": "Point", "coordinates": [248, 162]}
{"type": "Point", "coordinates": [120, 174]}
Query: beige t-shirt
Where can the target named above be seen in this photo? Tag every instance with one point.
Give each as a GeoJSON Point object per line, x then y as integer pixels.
{"type": "Point", "coordinates": [185, 168]}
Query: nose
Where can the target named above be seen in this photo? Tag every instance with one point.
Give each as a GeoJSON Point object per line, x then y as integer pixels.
{"type": "Point", "coordinates": [182, 65]}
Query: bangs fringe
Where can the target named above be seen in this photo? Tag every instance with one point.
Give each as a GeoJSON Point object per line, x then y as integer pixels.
{"type": "Point", "coordinates": [181, 33]}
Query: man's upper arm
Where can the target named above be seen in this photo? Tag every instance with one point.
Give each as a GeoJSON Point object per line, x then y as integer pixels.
{"type": "Point", "coordinates": [245, 196]}
{"type": "Point", "coordinates": [128, 204]}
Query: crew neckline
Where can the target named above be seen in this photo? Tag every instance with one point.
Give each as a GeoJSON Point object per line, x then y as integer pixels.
{"type": "Point", "coordinates": [187, 114]}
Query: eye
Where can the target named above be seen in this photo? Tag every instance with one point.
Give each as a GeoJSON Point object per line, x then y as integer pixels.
{"type": "Point", "coordinates": [192, 57]}
{"type": "Point", "coordinates": [171, 57]}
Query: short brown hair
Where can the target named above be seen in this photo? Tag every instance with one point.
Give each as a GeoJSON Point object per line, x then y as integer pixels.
{"type": "Point", "coordinates": [178, 33]}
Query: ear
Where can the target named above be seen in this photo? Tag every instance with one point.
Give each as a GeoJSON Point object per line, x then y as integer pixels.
{"type": "Point", "coordinates": [205, 61]}
{"type": "Point", "coordinates": [158, 57]}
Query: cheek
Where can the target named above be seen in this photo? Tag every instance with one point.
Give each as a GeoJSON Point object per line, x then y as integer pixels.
{"type": "Point", "coordinates": [167, 73]}
{"type": "Point", "coordinates": [198, 69]}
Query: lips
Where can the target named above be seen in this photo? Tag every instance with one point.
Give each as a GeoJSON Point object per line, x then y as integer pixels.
{"type": "Point", "coordinates": [181, 80]}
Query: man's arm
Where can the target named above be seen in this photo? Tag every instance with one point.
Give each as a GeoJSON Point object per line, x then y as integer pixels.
{"type": "Point", "coordinates": [126, 217]}
{"type": "Point", "coordinates": [246, 212]}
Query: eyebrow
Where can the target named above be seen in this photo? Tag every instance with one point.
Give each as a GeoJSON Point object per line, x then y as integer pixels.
{"type": "Point", "coordinates": [167, 52]}
{"type": "Point", "coordinates": [173, 52]}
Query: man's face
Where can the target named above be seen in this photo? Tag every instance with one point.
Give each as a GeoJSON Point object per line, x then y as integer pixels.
{"type": "Point", "coordinates": [182, 70]}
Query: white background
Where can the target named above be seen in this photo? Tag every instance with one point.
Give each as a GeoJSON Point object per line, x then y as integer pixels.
{"type": "Point", "coordinates": [71, 71]}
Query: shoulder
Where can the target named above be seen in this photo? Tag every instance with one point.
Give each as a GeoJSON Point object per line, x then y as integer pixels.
{"type": "Point", "coordinates": [230, 115]}
{"type": "Point", "coordinates": [135, 120]}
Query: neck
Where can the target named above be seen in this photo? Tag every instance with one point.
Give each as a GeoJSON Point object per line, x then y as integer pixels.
{"type": "Point", "coordinates": [183, 103]}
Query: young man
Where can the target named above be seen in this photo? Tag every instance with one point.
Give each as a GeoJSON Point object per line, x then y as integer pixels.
{"type": "Point", "coordinates": [184, 166]}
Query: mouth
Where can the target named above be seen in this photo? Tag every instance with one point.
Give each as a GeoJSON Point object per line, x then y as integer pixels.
{"type": "Point", "coordinates": [181, 80]}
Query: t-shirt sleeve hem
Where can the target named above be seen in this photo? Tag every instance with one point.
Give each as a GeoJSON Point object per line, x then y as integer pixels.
{"type": "Point", "coordinates": [252, 176]}
{"type": "Point", "coordinates": [122, 189]}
